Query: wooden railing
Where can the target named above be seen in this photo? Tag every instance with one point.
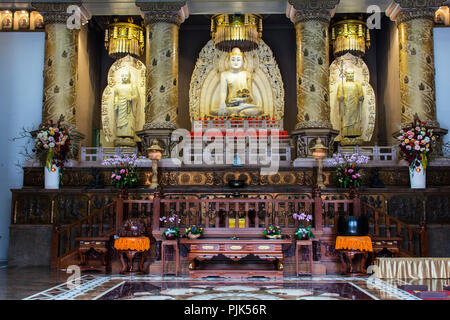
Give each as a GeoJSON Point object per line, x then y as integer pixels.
{"type": "Point", "coordinates": [332, 208]}
{"type": "Point", "coordinates": [393, 227]}
{"type": "Point", "coordinates": [216, 214]}
{"type": "Point", "coordinates": [101, 222]}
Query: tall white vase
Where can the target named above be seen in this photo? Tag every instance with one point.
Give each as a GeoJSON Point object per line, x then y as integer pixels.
{"type": "Point", "coordinates": [417, 177]}
{"type": "Point", "coordinates": [51, 178]}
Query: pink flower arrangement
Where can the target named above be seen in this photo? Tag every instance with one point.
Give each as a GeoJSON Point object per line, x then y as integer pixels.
{"type": "Point", "coordinates": [415, 143]}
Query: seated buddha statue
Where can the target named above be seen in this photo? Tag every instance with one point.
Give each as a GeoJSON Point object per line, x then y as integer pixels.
{"type": "Point", "coordinates": [236, 97]}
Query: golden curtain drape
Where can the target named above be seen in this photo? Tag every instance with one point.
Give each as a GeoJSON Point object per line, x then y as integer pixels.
{"type": "Point", "coordinates": [413, 268]}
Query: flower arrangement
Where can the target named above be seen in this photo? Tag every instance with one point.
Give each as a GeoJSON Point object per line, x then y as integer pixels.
{"type": "Point", "coordinates": [348, 168]}
{"type": "Point", "coordinates": [171, 232]}
{"type": "Point", "coordinates": [415, 142]}
{"type": "Point", "coordinates": [304, 230]}
{"type": "Point", "coordinates": [272, 231]}
{"type": "Point", "coordinates": [52, 144]}
{"type": "Point", "coordinates": [194, 231]}
{"type": "Point", "coordinates": [126, 176]}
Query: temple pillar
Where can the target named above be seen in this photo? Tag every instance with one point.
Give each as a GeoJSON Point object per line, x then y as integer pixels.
{"type": "Point", "coordinates": [416, 58]}
{"type": "Point", "coordinates": [311, 20]}
{"type": "Point", "coordinates": [162, 20]}
{"type": "Point", "coordinates": [60, 66]}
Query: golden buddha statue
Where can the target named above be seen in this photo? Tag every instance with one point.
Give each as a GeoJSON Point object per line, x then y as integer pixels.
{"type": "Point", "coordinates": [236, 90]}
{"type": "Point", "coordinates": [350, 96]}
{"type": "Point", "coordinates": [125, 106]}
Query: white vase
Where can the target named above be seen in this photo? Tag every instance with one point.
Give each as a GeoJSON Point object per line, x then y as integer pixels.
{"type": "Point", "coordinates": [51, 177]}
{"type": "Point", "coordinates": [417, 177]}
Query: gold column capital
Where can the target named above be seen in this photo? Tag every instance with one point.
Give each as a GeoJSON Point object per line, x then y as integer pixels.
{"type": "Point", "coordinates": [56, 12]}
{"type": "Point", "coordinates": [311, 10]}
{"type": "Point", "coordinates": [174, 12]}
{"type": "Point", "coordinates": [419, 3]}
{"type": "Point", "coordinates": [313, 4]}
{"type": "Point", "coordinates": [404, 10]}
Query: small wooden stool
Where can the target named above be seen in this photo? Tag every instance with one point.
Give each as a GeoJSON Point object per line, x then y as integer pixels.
{"type": "Point", "coordinates": [304, 243]}
{"type": "Point", "coordinates": [100, 245]}
{"type": "Point", "coordinates": [173, 243]}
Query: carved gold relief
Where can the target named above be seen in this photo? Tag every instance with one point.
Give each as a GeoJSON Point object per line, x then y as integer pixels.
{"type": "Point", "coordinates": [361, 75]}
{"type": "Point", "coordinates": [116, 102]}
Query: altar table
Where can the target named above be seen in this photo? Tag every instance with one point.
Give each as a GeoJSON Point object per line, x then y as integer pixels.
{"type": "Point", "coordinates": [351, 246]}
{"type": "Point", "coordinates": [130, 246]}
{"type": "Point", "coordinates": [265, 249]}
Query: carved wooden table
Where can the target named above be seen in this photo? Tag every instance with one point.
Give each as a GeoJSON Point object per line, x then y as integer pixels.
{"type": "Point", "coordinates": [392, 245]}
{"type": "Point", "coordinates": [265, 249]}
{"type": "Point", "coordinates": [348, 265]}
{"type": "Point", "coordinates": [350, 247]}
{"type": "Point", "coordinates": [99, 245]}
{"type": "Point", "coordinates": [174, 244]}
{"type": "Point", "coordinates": [130, 246]}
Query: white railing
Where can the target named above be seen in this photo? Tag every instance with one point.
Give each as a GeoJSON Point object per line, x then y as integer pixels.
{"type": "Point", "coordinates": [98, 154]}
{"type": "Point", "coordinates": [250, 150]}
{"type": "Point", "coordinates": [375, 153]}
{"type": "Point", "coordinates": [238, 123]}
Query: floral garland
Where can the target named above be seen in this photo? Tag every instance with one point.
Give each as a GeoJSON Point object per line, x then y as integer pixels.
{"type": "Point", "coordinates": [348, 168]}
{"type": "Point", "coordinates": [52, 144]}
{"type": "Point", "coordinates": [415, 143]}
{"type": "Point", "coordinates": [126, 176]}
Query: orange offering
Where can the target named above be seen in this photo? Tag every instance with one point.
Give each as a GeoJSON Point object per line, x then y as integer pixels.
{"type": "Point", "coordinates": [132, 243]}
{"type": "Point", "coordinates": [354, 243]}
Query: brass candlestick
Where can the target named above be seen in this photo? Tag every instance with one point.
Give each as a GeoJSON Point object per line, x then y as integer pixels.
{"type": "Point", "coordinates": [154, 154]}
{"type": "Point", "coordinates": [319, 151]}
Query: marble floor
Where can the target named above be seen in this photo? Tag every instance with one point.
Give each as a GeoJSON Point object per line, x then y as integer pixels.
{"type": "Point", "coordinates": [35, 283]}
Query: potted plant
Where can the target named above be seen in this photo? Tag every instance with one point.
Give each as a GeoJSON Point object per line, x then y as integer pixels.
{"type": "Point", "coordinates": [172, 231]}
{"type": "Point", "coordinates": [304, 230]}
{"type": "Point", "coordinates": [348, 169]}
{"type": "Point", "coordinates": [126, 175]}
{"type": "Point", "coordinates": [194, 231]}
{"type": "Point", "coordinates": [415, 143]}
{"type": "Point", "coordinates": [52, 147]}
{"type": "Point", "coordinates": [272, 232]}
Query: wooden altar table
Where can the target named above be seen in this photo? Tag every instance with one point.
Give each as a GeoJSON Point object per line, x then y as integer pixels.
{"type": "Point", "coordinates": [265, 249]}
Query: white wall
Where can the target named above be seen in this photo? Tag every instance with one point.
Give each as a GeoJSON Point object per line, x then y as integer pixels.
{"type": "Point", "coordinates": [442, 66]}
{"type": "Point", "coordinates": [21, 85]}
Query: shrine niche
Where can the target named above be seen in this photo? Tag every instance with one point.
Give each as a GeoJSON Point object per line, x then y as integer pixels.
{"type": "Point", "coordinates": [123, 103]}
{"type": "Point", "coordinates": [355, 126]}
{"type": "Point", "coordinates": [266, 92]}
